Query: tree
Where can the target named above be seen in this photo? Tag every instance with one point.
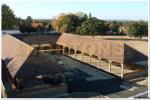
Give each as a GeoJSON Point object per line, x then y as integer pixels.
{"type": "Point", "coordinates": [114, 26]}
{"type": "Point", "coordinates": [137, 29]}
{"type": "Point", "coordinates": [144, 27]}
{"type": "Point", "coordinates": [65, 28]}
{"type": "Point", "coordinates": [25, 25]}
{"type": "Point", "coordinates": [29, 20]}
{"type": "Point", "coordinates": [82, 17]}
{"type": "Point", "coordinates": [45, 26]}
{"type": "Point", "coordinates": [66, 23]}
{"type": "Point", "coordinates": [28, 23]}
{"type": "Point", "coordinates": [9, 20]}
{"type": "Point", "coordinates": [105, 28]}
{"type": "Point", "coordinates": [50, 27]}
{"type": "Point", "coordinates": [70, 22]}
{"type": "Point", "coordinates": [22, 25]}
{"type": "Point", "coordinates": [90, 16]}
{"type": "Point", "coordinates": [57, 22]}
{"type": "Point", "coordinates": [92, 26]}
{"type": "Point", "coordinates": [78, 29]}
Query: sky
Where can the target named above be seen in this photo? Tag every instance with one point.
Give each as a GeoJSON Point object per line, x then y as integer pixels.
{"type": "Point", "coordinates": [103, 9]}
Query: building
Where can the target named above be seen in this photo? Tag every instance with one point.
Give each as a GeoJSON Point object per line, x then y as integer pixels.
{"type": "Point", "coordinates": [23, 56]}
{"type": "Point", "coordinates": [27, 68]}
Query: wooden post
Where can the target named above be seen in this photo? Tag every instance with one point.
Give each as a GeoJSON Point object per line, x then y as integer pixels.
{"type": "Point", "coordinates": [3, 90]}
{"type": "Point", "coordinates": [122, 70]}
{"type": "Point", "coordinates": [146, 66]}
{"type": "Point", "coordinates": [63, 50]}
{"type": "Point", "coordinates": [75, 54]}
{"type": "Point", "coordinates": [64, 78]}
{"type": "Point", "coordinates": [110, 62]}
{"type": "Point", "coordinates": [90, 59]}
{"type": "Point", "coordinates": [82, 56]}
{"type": "Point", "coordinates": [99, 62]}
{"type": "Point", "coordinates": [59, 51]}
{"type": "Point", "coordinates": [68, 51]}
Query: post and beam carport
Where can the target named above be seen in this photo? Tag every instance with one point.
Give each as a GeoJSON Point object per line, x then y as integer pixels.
{"type": "Point", "coordinates": [114, 52]}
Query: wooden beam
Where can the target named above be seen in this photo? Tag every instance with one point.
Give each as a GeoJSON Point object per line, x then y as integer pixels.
{"type": "Point", "coordinates": [75, 54]}
{"type": "Point", "coordinates": [3, 91]}
{"type": "Point", "coordinates": [110, 63]}
{"type": "Point", "coordinates": [99, 62]}
{"type": "Point", "coordinates": [82, 56]}
{"type": "Point", "coordinates": [51, 50]}
{"type": "Point", "coordinates": [64, 78]}
{"type": "Point", "coordinates": [63, 50]}
{"type": "Point", "coordinates": [122, 70]}
{"type": "Point", "coordinates": [90, 59]}
{"type": "Point", "coordinates": [69, 51]}
{"type": "Point", "coordinates": [59, 52]}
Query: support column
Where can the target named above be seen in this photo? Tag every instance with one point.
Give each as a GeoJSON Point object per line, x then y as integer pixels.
{"type": "Point", "coordinates": [75, 54]}
{"type": "Point", "coordinates": [64, 78]}
{"type": "Point", "coordinates": [63, 50]}
{"type": "Point", "coordinates": [122, 70]}
{"type": "Point", "coordinates": [82, 56]}
{"type": "Point", "coordinates": [59, 51]}
{"type": "Point", "coordinates": [110, 62]}
{"type": "Point", "coordinates": [99, 62]}
{"type": "Point", "coordinates": [90, 59]}
{"type": "Point", "coordinates": [68, 51]}
{"type": "Point", "coordinates": [146, 66]}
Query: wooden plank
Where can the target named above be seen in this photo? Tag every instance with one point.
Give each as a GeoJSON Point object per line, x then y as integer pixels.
{"type": "Point", "coordinates": [51, 50]}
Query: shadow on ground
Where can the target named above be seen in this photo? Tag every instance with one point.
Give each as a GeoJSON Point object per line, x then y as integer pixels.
{"type": "Point", "coordinates": [77, 84]}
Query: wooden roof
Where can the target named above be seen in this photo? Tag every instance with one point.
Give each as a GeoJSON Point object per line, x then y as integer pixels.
{"type": "Point", "coordinates": [14, 53]}
{"type": "Point", "coordinates": [116, 51]}
{"type": "Point", "coordinates": [94, 46]}
{"type": "Point", "coordinates": [21, 59]}
{"type": "Point", "coordinates": [40, 39]}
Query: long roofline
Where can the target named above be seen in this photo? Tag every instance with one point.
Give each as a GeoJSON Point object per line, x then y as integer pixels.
{"type": "Point", "coordinates": [14, 53]}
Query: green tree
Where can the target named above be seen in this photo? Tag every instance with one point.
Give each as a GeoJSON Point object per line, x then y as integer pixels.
{"type": "Point", "coordinates": [9, 20]}
{"type": "Point", "coordinates": [28, 23]}
{"type": "Point", "coordinates": [144, 27]}
{"type": "Point", "coordinates": [29, 20]}
{"type": "Point", "coordinates": [82, 17]}
{"type": "Point", "coordinates": [22, 25]}
{"type": "Point", "coordinates": [105, 28]}
{"type": "Point", "coordinates": [92, 26]}
{"type": "Point", "coordinates": [25, 25]}
{"type": "Point", "coordinates": [70, 22]}
{"type": "Point", "coordinates": [78, 29]}
{"type": "Point", "coordinates": [137, 29]}
{"type": "Point", "coordinates": [90, 16]}
{"type": "Point", "coordinates": [66, 23]}
{"type": "Point", "coordinates": [114, 26]}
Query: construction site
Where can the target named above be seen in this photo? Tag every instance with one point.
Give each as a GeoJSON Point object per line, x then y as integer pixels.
{"type": "Point", "coordinates": [73, 66]}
